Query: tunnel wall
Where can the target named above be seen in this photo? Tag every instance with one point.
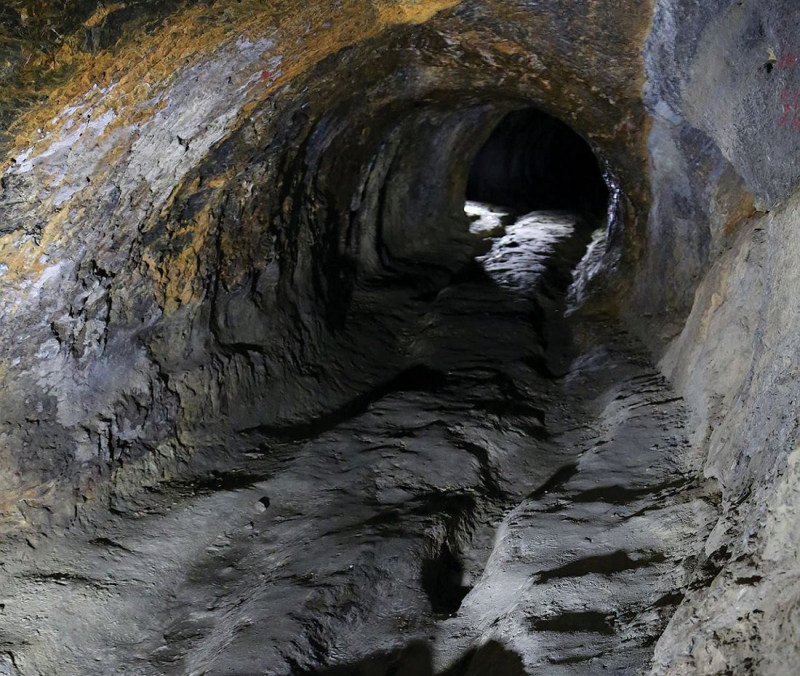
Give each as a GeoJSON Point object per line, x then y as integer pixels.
{"type": "Point", "coordinates": [186, 221]}
{"type": "Point", "coordinates": [722, 244]}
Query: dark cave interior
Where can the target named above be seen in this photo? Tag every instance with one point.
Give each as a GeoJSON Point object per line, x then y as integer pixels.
{"type": "Point", "coordinates": [534, 161]}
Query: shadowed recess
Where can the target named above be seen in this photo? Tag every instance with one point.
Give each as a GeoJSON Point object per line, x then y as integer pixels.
{"type": "Point", "coordinates": [535, 161]}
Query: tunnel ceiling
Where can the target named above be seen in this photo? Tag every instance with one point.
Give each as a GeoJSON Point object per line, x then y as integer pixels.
{"type": "Point", "coordinates": [224, 226]}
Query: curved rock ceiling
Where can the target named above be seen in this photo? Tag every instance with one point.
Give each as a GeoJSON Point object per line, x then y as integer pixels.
{"type": "Point", "coordinates": [272, 401]}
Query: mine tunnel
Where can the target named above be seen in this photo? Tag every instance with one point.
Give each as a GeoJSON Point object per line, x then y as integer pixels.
{"type": "Point", "coordinates": [398, 338]}
{"type": "Point", "coordinates": [533, 161]}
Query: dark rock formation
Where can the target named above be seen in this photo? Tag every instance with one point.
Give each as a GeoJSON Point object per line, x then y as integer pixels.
{"type": "Point", "coordinates": [274, 402]}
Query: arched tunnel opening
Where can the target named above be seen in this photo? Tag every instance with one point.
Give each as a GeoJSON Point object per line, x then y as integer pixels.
{"type": "Point", "coordinates": [417, 353]}
{"type": "Point", "coordinates": [355, 325]}
{"type": "Point", "coordinates": [382, 193]}
{"type": "Point", "coordinates": [534, 161]}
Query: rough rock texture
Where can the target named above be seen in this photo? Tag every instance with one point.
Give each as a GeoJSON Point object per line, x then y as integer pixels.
{"type": "Point", "coordinates": [234, 262]}
{"type": "Point", "coordinates": [722, 89]}
{"type": "Point", "coordinates": [168, 251]}
{"type": "Point", "coordinates": [480, 501]}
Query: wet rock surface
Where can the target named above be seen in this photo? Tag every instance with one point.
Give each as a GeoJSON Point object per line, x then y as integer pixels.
{"type": "Point", "coordinates": [518, 500]}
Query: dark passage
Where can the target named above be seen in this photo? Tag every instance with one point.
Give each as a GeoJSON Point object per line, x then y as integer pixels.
{"type": "Point", "coordinates": [411, 470]}
{"type": "Point", "coordinates": [533, 161]}
{"type": "Point", "coordinates": [442, 581]}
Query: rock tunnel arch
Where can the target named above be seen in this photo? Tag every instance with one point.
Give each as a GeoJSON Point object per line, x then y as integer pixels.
{"type": "Point", "coordinates": [192, 277]}
{"type": "Point", "coordinates": [364, 194]}
{"type": "Point", "coordinates": [533, 161]}
{"type": "Point", "coordinates": [274, 200]}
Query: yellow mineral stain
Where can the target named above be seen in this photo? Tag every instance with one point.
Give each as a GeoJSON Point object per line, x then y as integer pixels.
{"type": "Point", "coordinates": [142, 68]}
{"type": "Point", "coordinates": [99, 16]}
{"type": "Point", "coordinates": [142, 65]}
{"type": "Point", "coordinates": [743, 211]}
{"type": "Point", "coordinates": [412, 12]}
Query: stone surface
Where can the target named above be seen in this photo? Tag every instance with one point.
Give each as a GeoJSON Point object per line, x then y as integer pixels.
{"type": "Point", "coordinates": [479, 499]}
{"type": "Point", "coordinates": [236, 275]}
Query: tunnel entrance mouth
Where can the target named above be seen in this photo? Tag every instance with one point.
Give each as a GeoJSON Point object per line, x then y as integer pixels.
{"type": "Point", "coordinates": [533, 161]}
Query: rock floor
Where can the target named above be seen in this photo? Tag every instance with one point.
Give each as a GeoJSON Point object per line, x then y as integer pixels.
{"type": "Point", "coordinates": [520, 501]}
